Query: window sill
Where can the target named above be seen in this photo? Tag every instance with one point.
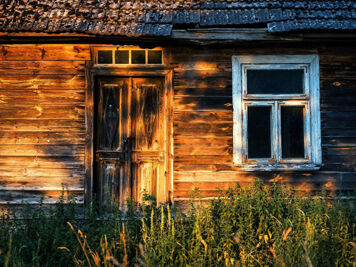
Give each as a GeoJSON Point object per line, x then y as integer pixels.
{"type": "Point", "coordinates": [279, 167]}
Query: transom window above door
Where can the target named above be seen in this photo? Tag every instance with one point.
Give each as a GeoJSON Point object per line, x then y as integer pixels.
{"type": "Point", "coordinates": [276, 112]}
{"type": "Point", "coordinates": [128, 56]}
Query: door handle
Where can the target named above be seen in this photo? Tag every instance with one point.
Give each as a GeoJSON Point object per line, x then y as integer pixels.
{"type": "Point", "coordinates": [126, 142]}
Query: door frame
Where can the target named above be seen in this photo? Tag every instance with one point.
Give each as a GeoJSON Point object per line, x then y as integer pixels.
{"type": "Point", "coordinates": [165, 191]}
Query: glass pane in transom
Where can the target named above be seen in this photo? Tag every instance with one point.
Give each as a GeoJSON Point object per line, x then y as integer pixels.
{"type": "Point", "coordinates": [275, 81]}
{"type": "Point", "coordinates": [122, 57]}
{"type": "Point", "coordinates": [155, 57]}
{"type": "Point", "coordinates": [138, 57]}
{"type": "Point", "coordinates": [105, 56]}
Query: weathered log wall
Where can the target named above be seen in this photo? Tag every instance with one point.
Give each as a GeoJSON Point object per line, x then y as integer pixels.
{"type": "Point", "coordinates": [203, 123]}
{"type": "Point", "coordinates": [42, 121]}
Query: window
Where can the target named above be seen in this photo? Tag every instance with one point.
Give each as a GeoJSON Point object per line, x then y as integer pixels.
{"type": "Point", "coordinates": [124, 55]}
{"type": "Point", "coordinates": [276, 112]}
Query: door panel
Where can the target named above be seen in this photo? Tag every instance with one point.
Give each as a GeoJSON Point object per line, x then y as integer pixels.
{"type": "Point", "coordinates": [111, 146]}
{"type": "Point", "coordinates": [148, 132]}
{"type": "Point", "coordinates": [129, 137]}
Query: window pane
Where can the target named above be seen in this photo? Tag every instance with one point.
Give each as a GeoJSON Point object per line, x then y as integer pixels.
{"type": "Point", "coordinates": [155, 57]}
{"type": "Point", "coordinates": [105, 57]}
{"type": "Point", "coordinates": [122, 56]}
{"type": "Point", "coordinates": [292, 122]}
{"type": "Point", "coordinates": [138, 57]}
{"type": "Point", "coordinates": [275, 81]}
{"type": "Point", "coordinates": [259, 131]}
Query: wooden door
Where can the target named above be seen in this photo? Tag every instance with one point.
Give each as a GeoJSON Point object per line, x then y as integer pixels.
{"type": "Point", "coordinates": [148, 131]}
{"type": "Point", "coordinates": [129, 138]}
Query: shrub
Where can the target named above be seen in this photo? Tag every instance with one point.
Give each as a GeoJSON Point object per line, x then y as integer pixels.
{"type": "Point", "coordinates": [256, 226]}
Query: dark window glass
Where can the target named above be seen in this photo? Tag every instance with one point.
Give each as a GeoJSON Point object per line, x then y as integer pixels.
{"type": "Point", "coordinates": [275, 81]}
{"type": "Point", "coordinates": [138, 57]}
{"type": "Point", "coordinates": [122, 56]}
{"type": "Point", "coordinates": [105, 57]}
{"type": "Point", "coordinates": [259, 131]}
{"type": "Point", "coordinates": [292, 122]}
{"type": "Point", "coordinates": [155, 57]}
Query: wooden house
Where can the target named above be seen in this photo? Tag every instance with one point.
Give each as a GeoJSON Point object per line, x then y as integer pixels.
{"type": "Point", "coordinates": [126, 98]}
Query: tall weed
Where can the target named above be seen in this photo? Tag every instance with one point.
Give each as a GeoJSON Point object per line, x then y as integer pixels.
{"type": "Point", "coordinates": [256, 226]}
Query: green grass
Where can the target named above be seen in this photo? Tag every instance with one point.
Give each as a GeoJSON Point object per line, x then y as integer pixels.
{"type": "Point", "coordinates": [256, 226]}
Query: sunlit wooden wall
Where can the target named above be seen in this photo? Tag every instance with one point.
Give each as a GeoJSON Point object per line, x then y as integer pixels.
{"type": "Point", "coordinates": [42, 121]}
{"type": "Point", "coordinates": [203, 123]}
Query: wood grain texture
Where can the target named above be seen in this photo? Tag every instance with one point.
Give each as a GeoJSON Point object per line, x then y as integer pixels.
{"type": "Point", "coordinates": [203, 120]}
{"type": "Point", "coordinates": [44, 52]}
{"type": "Point", "coordinates": [46, 120]}
{"type": "Point", "coordinates": [42, 121]}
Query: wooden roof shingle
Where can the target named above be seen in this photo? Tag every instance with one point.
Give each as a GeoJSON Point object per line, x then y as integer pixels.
{"type": "Point", "coordinates": [158, 18]}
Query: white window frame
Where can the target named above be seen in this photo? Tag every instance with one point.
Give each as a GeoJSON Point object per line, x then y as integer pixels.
{"type": "Point", "coordinates": [310, 99]}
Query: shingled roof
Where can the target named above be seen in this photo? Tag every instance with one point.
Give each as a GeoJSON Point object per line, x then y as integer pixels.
{"type": "Point", "coordinates": [158, 18]}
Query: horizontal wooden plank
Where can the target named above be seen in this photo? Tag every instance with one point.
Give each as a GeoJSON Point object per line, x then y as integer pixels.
{"type": "Point", "coordinates": [43, 125]}
{"type": "Point", "coordinates": [40, 52]}
{"type": "Point", "coordinates": [339, 114]}
{"type": "Point", "coordinates": [334, 84]}
{"type": "Point", "coordinates": [203, 159]}
{"type": "Point", "coordinates": [203, 116]}
{"type": "Point", "coordinates": [339, 68]}
{"type": "Point", "coordinates": [38, 196]}
{"type": "Point", "coordinates": [202, 103]}
{"type": "Point", "coordinates": [39, 81]}
{"type": "Point", "coordinates": [181, 142]}
{"type": "Point", "coordinates": [339, 159]}
{"type": "Point", "coordinates": [231, 176]}
{"type": "Point", "coordinates": [338, 132]}
{"type": "Point", "coordinates": [40, 97]}
{"type": "Point", "coordinates": [41, 150]}
{"type": "Point", "coordinates": [185, 55]}
{"type": "Point", "coordinates": [225, 90]}
{"type": "Point", "coordinates": [338, 123]}
{"type": "Point", "coordinates": [203, 167]}
{"type": "Point", "coordinates": [332, 58]}
{"type": "Point", "coordinates": [41, 138]}
{"type": "Point", "coordinates": [202, 129]}
{"type": "Point", "coordinates": [188, 151]}
{"type": "Point", "coordinates": [28, 172]}
{"type": "Point", "coordinates": [343, 166]}
{"type": "Point", "coordinates": [41, 183]}
{"type": "Point", "coordinates": [41, 67]}
{"type": "Point", "coordinates": [202, 75]}
{"type": "Point", "coordinates": [208, 186]}
{"type": "Point", "coordinates": [340, 151]}
{"type": "Point", "coordinates": [70, 111]}
{"type": "Point", "coordinates": [339, 141]}
{"type": "Point", "coordinates": [206, 82]}
{"type": "Point", "coordinates": [45, 161]}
